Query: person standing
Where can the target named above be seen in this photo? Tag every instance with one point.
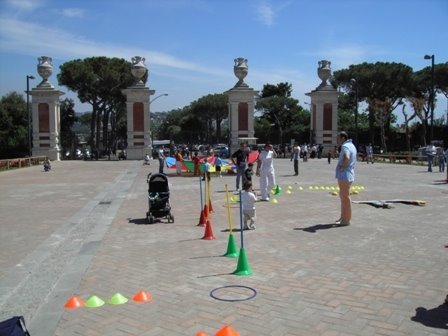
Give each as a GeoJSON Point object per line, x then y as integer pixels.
{"type": "Point", "coordinates": [430, 153]}
{"type": "Point", "coordinates": [295, 156]}
{"type": "Point", "coordinates": [179, 160]}
{"type": "Point", "coordinates": [265, 169]}
{"type": "Point", "coordinates": [161, 160]}
{"type": "Point", "coordinates": [369, 153]}
{"type": "Point", "coordinates": [197, 164]}
{"type": "Point", "coordinates": [345, 174]}
{"type": "Point", "coordinates": [248, 200]}
{"type": "Point", "coordinates": [239, 159]}
{"type": "Point", "coordinates": [218, 165]}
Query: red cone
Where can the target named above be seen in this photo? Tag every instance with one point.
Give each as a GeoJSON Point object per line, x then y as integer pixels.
{"type": "Point", "coordinates": [202, 220]}
{"type": "Point", "coordinates": [208, 234]}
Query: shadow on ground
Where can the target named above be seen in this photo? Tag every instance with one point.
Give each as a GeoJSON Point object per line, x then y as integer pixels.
{"type": "Point", "coordinates": [434, 318]}
{"type": "Point", "coordinates": [318, 227]}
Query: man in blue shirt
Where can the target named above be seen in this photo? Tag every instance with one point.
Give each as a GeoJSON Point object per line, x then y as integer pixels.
{"type": "Point", "coordinates": [345, 174]}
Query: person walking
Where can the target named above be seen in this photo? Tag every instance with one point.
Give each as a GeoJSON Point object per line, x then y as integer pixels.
{"type": "Point", "coordinates": [295, 156]}
{"type": "Point", "coordinates": [248, 200]}
{"type": "Point", "coordinates": [430, 153]}
{"type": "Point", "coordinates": [161, 155]}
{"type": "Point", "coordinates": [266, 171]}
{"type": "Point", "coordinates": [345, 174]}
{"type": "Point", "coordinates": [239, 159]}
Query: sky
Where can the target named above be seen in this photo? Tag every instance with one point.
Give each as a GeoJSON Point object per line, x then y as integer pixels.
{"type": "Point", "coordinates": [190, 45]}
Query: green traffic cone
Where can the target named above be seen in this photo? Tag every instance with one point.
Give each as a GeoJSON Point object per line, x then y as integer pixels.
{"type": "Point", "coordinates": [232, 251]}
{"type": "Point", "coordinates": [243, 265]}
{"type": "Point", "coordinates": [278, 190]}
{"type": "Point", "coordinates": [94, 302]}
{"type": "Point", "coordinates": [117, 299]}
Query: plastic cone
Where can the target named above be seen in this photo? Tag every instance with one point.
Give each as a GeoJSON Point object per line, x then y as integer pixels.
{"type": "Point", "coordinates": [289, 187]}
{"type": "Point", "coordinates": [278, 190]}
{"type": "Point", "coordinates": [74, 302]}
{"type": "Point", "coordinates": [201, 333]}
{"type": "Point", "coordinates": [227, 331]}
{"type": "Point", "coordinates": [206, 212]}
{"type": "Point", "coordinates": [208, 233]}
{"type": "Point", "coordinates": [274, 200]}
{"type": "Point", "coordinates": [142, 296]}
{"type": "Point", "coordinates": [232, 251]}
{"type": "Point", "coordinates": [202, 219]}
{"type": "Point", "coordinates": [243, 265]}
{"type": "Point", "coordinates": [94, 302]}
{"type": "Point", "coordinates": [117, 299]}
{"type": "Point", "coordinates": [210, 207]}
{"type": "Point", "coordinates": [288, 192]}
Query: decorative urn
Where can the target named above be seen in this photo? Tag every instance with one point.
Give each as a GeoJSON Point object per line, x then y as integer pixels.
{"type": "Point", "coordinates": [45, 69]}
{"type": "Point", "coordinates": [240, 70]}
{"type": "Point", "coordinates": [138, 69]}
{"type": "Point", "coordinates": [324, 72]}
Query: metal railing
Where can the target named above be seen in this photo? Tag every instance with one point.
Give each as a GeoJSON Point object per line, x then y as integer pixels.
{"type": "Point", "coordinates": [22, 162]}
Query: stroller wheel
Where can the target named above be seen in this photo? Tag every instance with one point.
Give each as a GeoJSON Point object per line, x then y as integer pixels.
{"type": "Point", "coordinates": [151, 219]}
{"type": "Point", "coordinates": [170, 218]}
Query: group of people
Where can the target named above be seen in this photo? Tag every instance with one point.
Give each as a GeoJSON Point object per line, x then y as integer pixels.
{"type": "Point", "coordinates": [345, 175]}
{"type": "Point", "coordinates": [433, 152]}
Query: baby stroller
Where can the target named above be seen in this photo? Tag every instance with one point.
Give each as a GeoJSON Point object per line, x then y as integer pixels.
{"type": "Point", "coordinates": [158, 198]}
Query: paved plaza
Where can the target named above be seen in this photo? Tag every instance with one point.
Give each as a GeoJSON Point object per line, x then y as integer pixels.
{"type": "Point", "coordinates": [81, 230]}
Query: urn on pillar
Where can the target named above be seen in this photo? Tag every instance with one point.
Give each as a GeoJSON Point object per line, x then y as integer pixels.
{"type": "Point", "coordinates": [45, 69]}
{"type": "Point", "coordinates": [324, 72]}
{"type": "Point", "coordinates": [138, 70]}
{"type": "Point", "coordinates": [240, 70]}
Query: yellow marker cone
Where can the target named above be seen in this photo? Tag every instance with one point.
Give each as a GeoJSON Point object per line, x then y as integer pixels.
{"type": "Point", "coordinates": [288, 192]}
{"type": "Point", "coordinates": [274, 200]}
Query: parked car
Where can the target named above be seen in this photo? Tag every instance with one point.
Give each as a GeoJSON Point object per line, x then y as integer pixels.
{"type": "Point", "coordinates": [221, 151]}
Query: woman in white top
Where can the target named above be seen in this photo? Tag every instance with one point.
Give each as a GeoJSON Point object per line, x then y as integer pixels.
{"type": "Point", "coordinates": [265, 169]}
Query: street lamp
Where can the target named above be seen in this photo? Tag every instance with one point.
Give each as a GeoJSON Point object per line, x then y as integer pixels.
{"type": "Point", "coordinates": [431, 57]}
{"type": "Point", "coordinates": [28, 77]}
{"type": "Point", "coordinates": [152, 133]}
{"type": "Point", "coordinates": [355, 82]}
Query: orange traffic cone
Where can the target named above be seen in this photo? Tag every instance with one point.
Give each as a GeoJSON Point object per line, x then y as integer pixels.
{"type": "Point", "coordinates": [142, 296]}
{"type": "Point", "coordinates": [74, 302]}
{"type": "Point", "coordinates": [208, 234]}
{"type": "Point", "coordinates": [210, 207]}
{"type": "Point", "coordinates": [227, 331]}
{"type": "Point", "coordinates": [206, 212]}
{"type": "Point", "coordinates": [201, 333]}
{"type": "Point", "coordinates": [202, 220]}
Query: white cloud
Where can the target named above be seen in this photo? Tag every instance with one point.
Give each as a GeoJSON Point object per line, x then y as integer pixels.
{"type": "Point", "coordinates": [26, 38]}
{"type": "Point", "coordinates": [265, 13]}
{"type": "Point", "coordinates": [73, 12]}
{"type": "Point", "coordinates": [26, 5]}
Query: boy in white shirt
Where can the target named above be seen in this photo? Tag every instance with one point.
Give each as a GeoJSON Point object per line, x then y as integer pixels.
{"type": "Point", "coordinates": [248, 200]}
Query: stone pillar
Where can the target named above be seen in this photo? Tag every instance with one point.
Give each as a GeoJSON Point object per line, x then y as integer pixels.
{"type": "Point", "coordinates": [241, 108]}
{"type": "Point", "coordinates": [46, 115]}
{"type": "Point", "coordinates": [324, 110]}
{"type": "Point", "coordinates": [137, 111]}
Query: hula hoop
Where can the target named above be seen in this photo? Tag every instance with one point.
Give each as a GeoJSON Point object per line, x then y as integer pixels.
{"type": "Point", "coordinates": [254, 293]}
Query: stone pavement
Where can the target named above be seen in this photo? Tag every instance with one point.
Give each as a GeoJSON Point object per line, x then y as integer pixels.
{"type": "Point", "coordinates": [81, 230]}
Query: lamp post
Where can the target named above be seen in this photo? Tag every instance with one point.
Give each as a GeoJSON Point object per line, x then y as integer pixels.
{"type": "Point", "coordinates": [152, 133]}
{"type": "Point", "coordinates": [355, 82]}
{"type": "Point", "coordinates": [431, 102]}
{"type": "Point", "coordinates": [28, 77]}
